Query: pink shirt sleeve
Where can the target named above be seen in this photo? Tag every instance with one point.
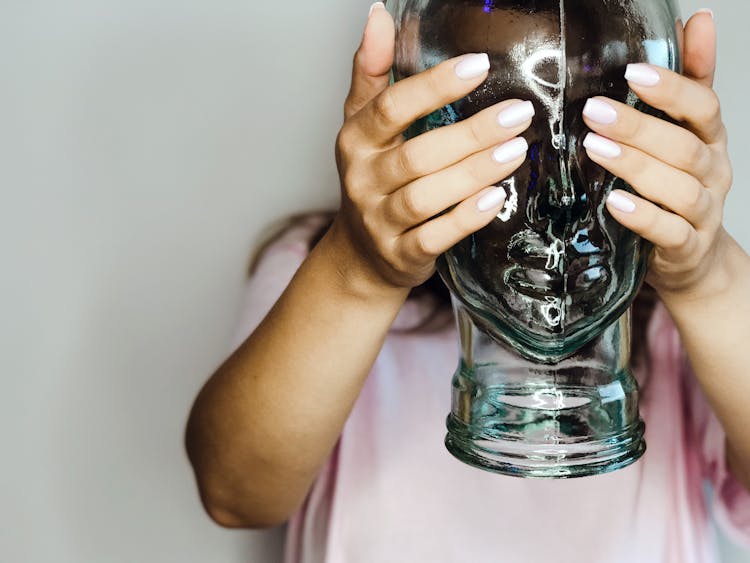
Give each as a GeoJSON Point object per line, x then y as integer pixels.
{"type": "Point", "coordinates": [275, 269]}
{"type": "Point", "coordinates": [731, 501]}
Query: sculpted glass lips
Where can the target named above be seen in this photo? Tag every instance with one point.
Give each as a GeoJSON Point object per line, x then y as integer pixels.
{"type": "Point", "coordinates": [538, 268]}
{"type": "Point", "coordinates": [554, 269]}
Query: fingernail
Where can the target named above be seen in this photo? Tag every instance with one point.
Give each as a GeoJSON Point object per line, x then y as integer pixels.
{"type": "Point", "coordinates": [642, 74]}
{"type": "Point", "coordinates": [472, 66]}
{"type": "Point", "coordinates": [620, 202]}
{"type": "Point", "coordinates": [494, 197]}
{"type": "Point", "coordinates": [600, 111]}
{"type": "Point", "coordinates": [510, 151]}
{"type": "Point", "coordinates": [518, 113]}
{"type": "Point", "coordinates": [376, 6]}
{"type": "Point", "coordinates": [708, 11]}
{"type": "Point", "coordinates": [602, 146]}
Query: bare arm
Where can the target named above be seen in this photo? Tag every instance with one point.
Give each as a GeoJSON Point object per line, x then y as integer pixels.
{"type": "Point", "coordinates": [265, 422]}
{"type": "Point", "coordinates": [714, 323]}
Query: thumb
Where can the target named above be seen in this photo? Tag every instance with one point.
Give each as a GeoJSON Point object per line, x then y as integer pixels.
{"type": "Point", "coordinates": [699, 62]}
{"type": "Point", "coordinates": [373, 60]}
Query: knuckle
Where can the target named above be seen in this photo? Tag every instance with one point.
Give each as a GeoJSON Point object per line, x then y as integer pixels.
{"type": "Point", "coordinates": [475, 132]}
{"type": "Point", "coordinates": [710, 110]}
{"type": "Point", "coordinates": [650, 222]}
{"type": "Point", "coordinates": [411, 205]}
{"type": "Point", "coordinates": [423, 244]}
{"type": "Point", "coordinates": [696, 199]}
{"type": "Point", "coordinates": [345, 140]}
{"type": "Point", "coordinates": [408, 160]}
{"type": "Point", "coordinates": [633, 125]}
{"type": "Point", "coordinates": [725, 178]}
{"type": "Point", "coordinates": [471, 174]}
{"type": "Point", "coordinates": [681, 238]}
{"type": "Point", "coordinates": [695, 154]}
{"type": "Point", "coordinates": [462, 223]}
{"type": "Point", "coordinates": [641, 170]}
{"type": "Point", "coordinates": [432, 79]}
{"type": "Point", "coordinates": [384, 107]}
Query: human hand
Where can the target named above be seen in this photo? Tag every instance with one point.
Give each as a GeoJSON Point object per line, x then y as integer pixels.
{"type": "Point", "coordinates": [681, 171]}
{"type": "Point", "coordinates": [406, 202]}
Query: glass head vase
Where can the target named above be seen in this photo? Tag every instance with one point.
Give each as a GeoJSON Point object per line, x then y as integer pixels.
{"type": "Point", "coordinates": [541, 295]}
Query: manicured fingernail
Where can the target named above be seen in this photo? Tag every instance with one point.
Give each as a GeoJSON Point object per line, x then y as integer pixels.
{"type": "Point", "coordinates": [518, 113]}
{"type": "Point", "coordinates": [602, 146]}
{"type": "Point", "coordinates": [600, 111]}
{"type": "Point", "coordinates": [472, 66]}
{"type": "Point", "coordinates": [511, 150]}
{"type": "Point", "coordinates": [642, 74]}
{"type": "Point", "coordinates": [376, 6]}
{"type": "Point", "coordinates": [492, 199]}
{"type": "Point", "coordinates": [620, 202]}
{"type": "Point", "coordinates": [708, 11]}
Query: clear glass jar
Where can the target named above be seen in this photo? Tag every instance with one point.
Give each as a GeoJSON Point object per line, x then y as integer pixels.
{"type": "Point", "coordinates": [541, 295]}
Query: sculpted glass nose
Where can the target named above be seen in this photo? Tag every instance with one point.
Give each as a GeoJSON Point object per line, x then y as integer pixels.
{"type": "Point", "coordinates": [555, 268]}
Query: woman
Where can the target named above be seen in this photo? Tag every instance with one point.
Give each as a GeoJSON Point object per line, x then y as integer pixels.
{"type": "Point", "coordinates": [330, 414]}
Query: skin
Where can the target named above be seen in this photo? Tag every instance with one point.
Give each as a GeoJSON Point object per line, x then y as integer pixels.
{"type": "Point", "coordinates": [682, 174]}
{"type": "Point", "coordinates": [268, 418]}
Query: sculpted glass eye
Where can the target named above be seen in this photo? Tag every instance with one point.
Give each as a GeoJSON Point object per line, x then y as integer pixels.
{"type": "Point", "coordinates": [548, 283]}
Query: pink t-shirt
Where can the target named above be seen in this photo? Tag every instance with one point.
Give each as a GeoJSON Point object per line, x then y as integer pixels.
{"type": "Point", "coordinates": [391, 493]}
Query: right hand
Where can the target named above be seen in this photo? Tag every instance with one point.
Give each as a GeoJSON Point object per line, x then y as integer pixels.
{"type": "Point", "coordinates": [395, 193]}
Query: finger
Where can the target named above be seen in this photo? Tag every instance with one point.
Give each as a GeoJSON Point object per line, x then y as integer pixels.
{"type": "Point", "coordinates": [670, 233]}
{"type": "Point", "coordinates": [430, 195]}
{"type": "Point", "coordinates": [684, 99]}
{"type": "Point", "coordinates": [372, 61]}
{"type": "Point", "coordinates": [699, 58]}
{"type": "Point", "coordinates": [670, 143]}
{"type": "Point", "coordinates": [445, 146]}
{"type": "Point", "coordinates": [428, 241]}
{"type": "Point", "coordinates": [388, 115]}
{"type": "Point", "coordinates": [656, 181]}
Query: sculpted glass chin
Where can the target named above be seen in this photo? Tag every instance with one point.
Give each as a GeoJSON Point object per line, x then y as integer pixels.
{"type": "Point", "coordinates": [549, 281]}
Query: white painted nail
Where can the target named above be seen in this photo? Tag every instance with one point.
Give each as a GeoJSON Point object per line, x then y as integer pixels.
{"type": "Point", "coordinates": [642, 75]}
{"type": "Point", "coordinates": [472, 66]}
{"type": "Point", "coordinates": [491, 200]}
{"type": "Point", "coordinates": [376, 6]}
{"type": "Point", "coordinates": [620, 202]}
{"type": "Point", "coordinates": [600, 111]}
{"type": "Point", "coordinates": [510, 151]}
{"type": "Point", "coordinates": [602, 146]}
{"type": "Point", "coordinates": [518, 113]}
{"type": "Point", "coordinates": [708, 11]}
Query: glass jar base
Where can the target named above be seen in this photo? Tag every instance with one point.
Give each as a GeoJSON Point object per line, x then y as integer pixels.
{"type": "Point", "coordinates": [561, 460]}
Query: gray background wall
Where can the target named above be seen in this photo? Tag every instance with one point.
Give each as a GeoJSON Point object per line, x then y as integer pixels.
{"type": "Point", "coordinates": [143, 148]}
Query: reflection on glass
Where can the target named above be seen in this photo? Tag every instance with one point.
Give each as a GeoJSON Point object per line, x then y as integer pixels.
{"type": "Point", "coordinates": [541, 293]}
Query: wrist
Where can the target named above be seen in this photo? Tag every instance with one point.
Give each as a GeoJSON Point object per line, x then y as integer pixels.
{"type": "Point", "coordinates": [354, 275]}
{"type": "Point", "coordinates": [724, 277]}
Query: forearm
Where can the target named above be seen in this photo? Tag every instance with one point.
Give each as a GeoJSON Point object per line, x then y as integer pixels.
{"type": "Point", "coordinates": [714, 323]}
{"type": "Point", "coordinates": [265, 422]}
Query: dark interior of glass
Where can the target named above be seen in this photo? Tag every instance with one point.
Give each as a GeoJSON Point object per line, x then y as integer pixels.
{"type": "Point", "coordinates": [554, 269]}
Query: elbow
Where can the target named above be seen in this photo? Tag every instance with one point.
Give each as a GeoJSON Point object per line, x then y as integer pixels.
{"type": "Point", "coordinates": [230, 504]}
{"type": "Point", "coordinates": [231, 519]}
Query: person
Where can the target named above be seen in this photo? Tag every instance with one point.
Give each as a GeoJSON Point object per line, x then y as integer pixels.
{"type": "Point", "coordinates": [329, 415]}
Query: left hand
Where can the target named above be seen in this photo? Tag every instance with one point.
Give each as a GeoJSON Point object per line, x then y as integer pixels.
{"type": "Point", "coordinates": [682, 172]}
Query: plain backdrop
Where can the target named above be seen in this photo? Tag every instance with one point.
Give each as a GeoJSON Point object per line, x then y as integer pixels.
{"type": "Point", "coordinates": [144, 148]}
